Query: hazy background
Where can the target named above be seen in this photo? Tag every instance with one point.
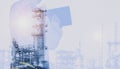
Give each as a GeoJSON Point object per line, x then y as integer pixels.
{"type": "Point", "coordinates": [92, 26]}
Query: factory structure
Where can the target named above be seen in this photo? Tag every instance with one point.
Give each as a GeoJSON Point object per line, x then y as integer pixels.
{"type": "Point", "coordinates": [113, 61]}
{"type": "Point", "coordinates": [32, 56]}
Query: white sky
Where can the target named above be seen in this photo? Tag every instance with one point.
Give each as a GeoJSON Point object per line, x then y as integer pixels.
{"type": "Point", "coordinates": [91, 19]}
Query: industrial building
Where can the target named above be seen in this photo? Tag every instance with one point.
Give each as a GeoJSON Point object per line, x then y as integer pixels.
{"type": "Point", "coordinates": [32, 56]}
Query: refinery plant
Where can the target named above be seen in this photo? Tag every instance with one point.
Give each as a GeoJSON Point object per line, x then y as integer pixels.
{"type": "Point", "coordinates": [32, 56]}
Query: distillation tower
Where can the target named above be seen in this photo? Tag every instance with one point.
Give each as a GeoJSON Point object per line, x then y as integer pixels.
{"type": "Point", "coordinates": [34, 56]}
